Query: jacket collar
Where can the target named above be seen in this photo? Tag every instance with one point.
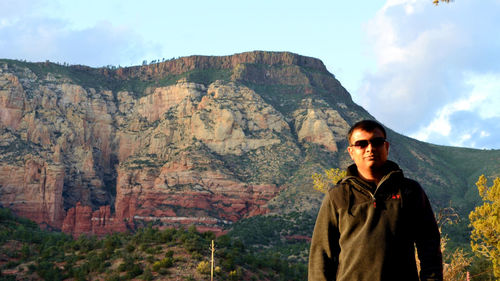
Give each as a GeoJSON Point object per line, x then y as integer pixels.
{"type": "Point", "coordinates": [391, 172]}
{"type": "Point", "coordinates": [390, 169]}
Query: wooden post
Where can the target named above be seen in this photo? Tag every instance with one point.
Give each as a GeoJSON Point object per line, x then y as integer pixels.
{"type": "Point", "coordinates": [212, 268]}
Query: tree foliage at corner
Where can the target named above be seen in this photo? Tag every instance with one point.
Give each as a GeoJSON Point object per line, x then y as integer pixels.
{"type": "Point", "coordinates": [331, 176]}
{"type": "Point", "coordinates": [485, 220]}
{"type": "Point", "coordinates": [436, 2]}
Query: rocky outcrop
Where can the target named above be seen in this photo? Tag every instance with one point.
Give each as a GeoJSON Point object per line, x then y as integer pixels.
{"type": "Point", "coordinates": [171, 193]}
{"type": "Point", "coordinates": [320, 124]}
{"type": "Point", "coordinates": [12, 98]}
{"type": "Point", "coordinates": [78, 142]}
{"type": "Point", "coordinates": [158, 101]}
{"type": "Point", "coordinates": [232, 120]}
{"type": "Point", "coordinates": [82, 220]}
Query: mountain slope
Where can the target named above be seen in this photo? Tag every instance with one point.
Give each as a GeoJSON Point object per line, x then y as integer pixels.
{"type": "Point", "coordinates": [197, 140]}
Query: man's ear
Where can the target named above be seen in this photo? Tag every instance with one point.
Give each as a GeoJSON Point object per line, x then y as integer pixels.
{"type": "Point", "coordinates": [349, 150]}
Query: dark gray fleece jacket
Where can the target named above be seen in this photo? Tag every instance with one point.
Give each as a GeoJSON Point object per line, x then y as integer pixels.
{"type": "Point", "coordinates": [361, 234]}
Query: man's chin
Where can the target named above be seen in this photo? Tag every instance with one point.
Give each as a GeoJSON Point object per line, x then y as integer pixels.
{"type": "Point", "coordinates": [374, 164]}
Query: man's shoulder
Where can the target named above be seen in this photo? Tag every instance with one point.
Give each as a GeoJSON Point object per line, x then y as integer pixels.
{"type": "Point", "coordinates": [338, 188]}
{"type": "Point", "coordinates": [411, 187]}
{"type": "Point", "coordinates": [410, 182]}
{"type": "Point", "coordinates": [398, 174]}
{"type": "Point", "coordinates": [337, 194]}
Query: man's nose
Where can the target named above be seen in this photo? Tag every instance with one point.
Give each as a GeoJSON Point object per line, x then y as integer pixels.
{"type": "Point", "coordinates": [370, 147]}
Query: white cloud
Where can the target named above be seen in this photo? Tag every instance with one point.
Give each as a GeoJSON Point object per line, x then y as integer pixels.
{"type": "Point", "coordinates": [23, 35]}
{"type": "Point", "coordinates": [409, 6]}
{"type": "Point", "coordinates": [437, 71]}
{"type": "Point", "coordinates": [484, 134]}
{"type": "Point", "coordinates": [471, 120]}
{"type": "Point", "coordinates": [485, 93]}
{"type": "Point", "coordinates": [406, 67]}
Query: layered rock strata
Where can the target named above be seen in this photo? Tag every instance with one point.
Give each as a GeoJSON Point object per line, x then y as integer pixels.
{"type": "Point", "coordinates": [34, 190]}
{"type": "Point", "coordinates": [87, 154]}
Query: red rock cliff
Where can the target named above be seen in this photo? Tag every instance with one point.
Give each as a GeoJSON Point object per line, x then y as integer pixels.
{"type": "Point", "coordinates": [83, 140]}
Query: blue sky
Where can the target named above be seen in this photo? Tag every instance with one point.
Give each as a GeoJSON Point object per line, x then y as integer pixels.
{"type": "Point", "coordinates": [429, 72]}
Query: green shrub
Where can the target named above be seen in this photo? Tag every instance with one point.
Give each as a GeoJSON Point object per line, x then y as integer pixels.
{"type": "Point", "coordinates": [134, 271]}
{"type": "Point", "coordinates": [31, 268]}
{"type": "Point", "coordinates": [127, 263]}
{"type": "Point", "coordinates": [203, 267]}
{"type": "Point", "coordinates": [235, 274]}
{"type": "Point", "coordinates": [151, 250]}
{"type": "Point", "coordinates": [48, 271]}
{"type": "Point", "coordinates": [113, 277]}
{"type": "Point", "coordinates": [11, 264]}
{"type": "Point", "coordinates": [147, 275]}
{"type": "Point", "coordinates": [169, 254]}
{"type": "Point", "coordinates": [130, 248]}
{"type": "Point", "coordinates": [150, 259]}
{"type": "Point", "coordinates": [164, 263]}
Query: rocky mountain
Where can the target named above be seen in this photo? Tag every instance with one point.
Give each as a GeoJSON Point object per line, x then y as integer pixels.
{"type": "Point", "coordinates": [196, 140]}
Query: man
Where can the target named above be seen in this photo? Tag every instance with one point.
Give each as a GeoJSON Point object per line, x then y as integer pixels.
{"type": "Point", "coordinates": [370, 221]}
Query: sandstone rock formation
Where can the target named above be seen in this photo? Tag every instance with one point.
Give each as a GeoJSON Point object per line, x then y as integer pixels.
{"type": "Point", "coordinates": [320, 125]}
{"type": "Point", "coordinates": [197, 140]}
{"type": "Point", "coordinates": [33, 189]}
{"type": "Point", "coordinates": [82, 220]}
{"type": "Point", "coordinates": [12, 98]}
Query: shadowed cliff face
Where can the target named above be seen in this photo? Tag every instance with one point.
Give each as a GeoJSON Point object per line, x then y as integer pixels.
{"type": "Point", "coordinates": [187, 147]}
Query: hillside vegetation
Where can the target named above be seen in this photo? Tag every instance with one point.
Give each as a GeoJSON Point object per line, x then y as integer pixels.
{"type": "Point", "coordinates": [29, 253]}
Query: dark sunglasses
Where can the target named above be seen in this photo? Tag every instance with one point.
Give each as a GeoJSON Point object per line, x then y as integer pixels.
{"type": "Point", "coordinates": [375, 142]}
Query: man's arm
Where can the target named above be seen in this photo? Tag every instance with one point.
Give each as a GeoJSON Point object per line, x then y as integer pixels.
{"type": "Point", "coordinates": [323, 254]}
{"type": "Point", "coordinates": [427, 239]}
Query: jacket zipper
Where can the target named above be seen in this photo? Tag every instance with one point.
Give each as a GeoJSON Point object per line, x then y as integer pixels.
{"type": "Point", "coordinates": [366, 191]}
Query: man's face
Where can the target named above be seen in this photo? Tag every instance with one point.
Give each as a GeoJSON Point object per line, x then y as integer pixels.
{"type": "Point", "coordinates": [368, 150]}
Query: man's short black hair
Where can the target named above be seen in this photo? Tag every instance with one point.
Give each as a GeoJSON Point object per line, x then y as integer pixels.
{"type": "Point", "coordinates": [366, 125]}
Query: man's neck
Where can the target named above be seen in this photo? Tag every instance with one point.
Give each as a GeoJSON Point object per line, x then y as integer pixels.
{"type": "Point", "coordinates": [372, 175]}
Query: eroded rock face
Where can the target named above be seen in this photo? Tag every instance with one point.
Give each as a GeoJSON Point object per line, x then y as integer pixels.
{"type": "Point", "coordinates": [12, 98]}
{"type": "Point", "coordinates": [178, 192]}
{"type": "Point", "coordinates": [177, 185]}
{"type": "Point", "coordinates": [34, 190]}
{"type": "Point", "coordinates": [232, 120]}
{"type": "Point", "coordinates": [159, 100]}
{"type": "Point", "coordinates": [82, 220]}
{"type": "Point", "coordinates": [320, 124]}
{"type": "Point", "coordinates": [72, 150]}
